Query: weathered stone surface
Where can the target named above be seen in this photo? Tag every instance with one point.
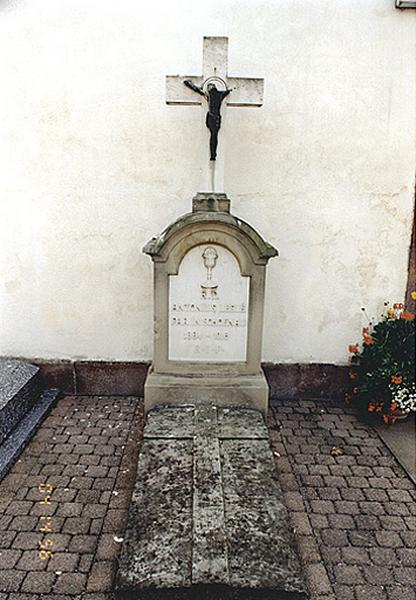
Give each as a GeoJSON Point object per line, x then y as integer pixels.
{"type": "Point", "coordinates": [11, 448]}
{"type": "Point", "coordinates": [209, 556]}
{"type": "Point", "coordinates": [18, 390]}
{"type": "Point", "coordinates": [207, 511]}
{"type": "Point", "coordinates": [241, 423]}
{"type": "Point", "coordinates": [169, 422]}
{"type": "Point", "coordinates": [260, 548]}
{"type": "Point", "coordinates": [158, 542]}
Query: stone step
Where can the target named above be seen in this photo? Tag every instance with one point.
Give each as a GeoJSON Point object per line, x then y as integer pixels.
{"type": "Point", "coordinates": [207, 518]}
{"type": "Point", "coordinates": [19, 389]}
{"type": "Point", "coordinates": [16, 441]}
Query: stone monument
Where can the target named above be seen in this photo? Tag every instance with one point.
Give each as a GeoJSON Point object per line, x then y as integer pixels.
{"type": "Point", "coordinates": [209, 271]}
{"type": "Point", "coordinates": [206, 519]}
{"type": "Point", "coordinates": [209, 280]}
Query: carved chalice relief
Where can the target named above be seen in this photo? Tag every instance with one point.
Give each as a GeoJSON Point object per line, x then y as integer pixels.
{"type": "Point", "coordinates": [209, 288]}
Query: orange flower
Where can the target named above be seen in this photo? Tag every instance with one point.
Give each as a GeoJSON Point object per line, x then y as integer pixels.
{"type": "Point", "coordinates": [407, 315]}
{"type": "Point", "coordinates": [371, 407]}
{"type": "Point", "coordinates": [391, 313]}
{"type": "Point", "coordinates": [365, 330]}
{"type": "Point", "coordinates": [398, 306]}
{"type": "Point", "coordinates": [396, 379]}
{"type": "Point", "coordinates": [353, 348]}
{"type": "Point", "coordinates": [368, 340]}
{"type": "Point", "coordinates": [352, 374]}
{"type": "Point", "coordinates": [393, 406]}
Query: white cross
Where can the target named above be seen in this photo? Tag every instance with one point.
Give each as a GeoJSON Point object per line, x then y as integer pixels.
{"type": "Point", "coordinates": [245, 91]}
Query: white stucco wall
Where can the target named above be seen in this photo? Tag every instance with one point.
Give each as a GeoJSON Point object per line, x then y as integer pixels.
{"type": "Point", "coordinates": [94, 163]}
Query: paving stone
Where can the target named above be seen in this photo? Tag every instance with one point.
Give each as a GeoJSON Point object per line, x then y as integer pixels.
{"type": "Point", "coordinates": [322, 506]}
{"type": "Point", "coordinates": [407, 556]}
{"type": "Point", "coordinates": [308, 548]}
{"type": "Point", "coordinates": [300, 523]}
{"type": "Point", "coordinates": [334, 537]}
{"type": "Point", "coordinates": [408, 538]}
{"type": "Point", "coordinates": [88, 496]}
{"type": "Point", "coordinates": [30, 561]}
{"type": "Point", "coordinates": [348, 573]}
{"type": "Point", "coordinates": [319, 521]}
{"type": "Point", "coordinates": [370, 522]}
{"type": "Point", "coordinates": [69, 509]}
{"type": "Point", "coordinates": [399, 496]}
{"type": "Point", "coordinates": [85, 562]}
{"type": "Point", "coordinates": [405, 575]}
{"type": "Point", "coordinates": [369, 592]}
{"type": "Point", "coordinates": [381, 575]}
{"type": "Point", "coordinates": [398, 508]}
{"type": "Point", "coordinates": [399, 592]}
{"type": "Point", "coordinates": [389, 539]}
{"type": "Point", "coordinates": [101, 577]}
{"type": "Point", "coordinates": [10, 580]}
{"type": "Point", "coordinates": [343, 592]}
{"type": "Point", "coordinates": [355, 556]}
{"type": "Point", "coordinates": [363, 539]}
{"type": "Point", "coordinates": [70, 583]}
{"type": "Point", "coordinates": [317, 579]}
{"type": "Point", "coordinates": [38, 582]}
{"type": "Point", "coordinates": [371, 508]}
{"type": "Point", "coordinates": [346, 507]}
{"type": "Point", "coordinates": [329, 493]}
{"type": "Point", "coordinates": [17, 507]}
{"type": "Point", "coordinates": [23, 523]}
{"type": "Point", "coordinates": [77, 525]}
{"type": "Point", "coordinates": [97, 526]}
{"type": "Point", "coordinates": [63, 561]}
{"type": "Point", "coordinates": [9, 558]}
{"type": "Point", "coordinates": [341, 521]}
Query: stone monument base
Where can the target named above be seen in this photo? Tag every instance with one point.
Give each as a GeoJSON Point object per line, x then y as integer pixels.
{"type": "Point", "coordinates": [249, 391]}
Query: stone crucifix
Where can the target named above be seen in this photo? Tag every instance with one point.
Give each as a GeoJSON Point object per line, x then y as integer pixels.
{"type": "Point", "coordinates": [219, 91]}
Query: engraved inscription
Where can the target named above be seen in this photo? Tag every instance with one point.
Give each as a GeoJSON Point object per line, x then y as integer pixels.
{"type": "Point", "coordinates": [208, 307]}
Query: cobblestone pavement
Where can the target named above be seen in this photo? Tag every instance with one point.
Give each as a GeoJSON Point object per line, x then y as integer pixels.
{"type": "Point", "coordinates": [87, 450]}
{"type": "Point", "coordinates": [353, 515]}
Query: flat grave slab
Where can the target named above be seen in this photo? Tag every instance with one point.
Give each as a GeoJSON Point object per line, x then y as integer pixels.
{"type": "Point", "coordinates": [207, 515]}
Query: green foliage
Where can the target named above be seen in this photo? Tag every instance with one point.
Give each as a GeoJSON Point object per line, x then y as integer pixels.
{"type": "Point", "coordinates": [384, 372]}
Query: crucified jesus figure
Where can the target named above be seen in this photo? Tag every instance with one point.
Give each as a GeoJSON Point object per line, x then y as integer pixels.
{"type": "Point", "coordinates": [214, 98]}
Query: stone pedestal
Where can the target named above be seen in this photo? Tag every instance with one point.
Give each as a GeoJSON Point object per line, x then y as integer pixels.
{"type": "Point", "coordinates": [209, 278]}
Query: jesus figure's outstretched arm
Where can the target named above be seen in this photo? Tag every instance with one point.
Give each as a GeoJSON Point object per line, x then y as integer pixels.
{"type": "Point", "coordinates": [193, 87]}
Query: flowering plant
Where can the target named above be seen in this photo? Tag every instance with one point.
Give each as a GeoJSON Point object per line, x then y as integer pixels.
{"type": "Point", "coordinates": [382, 370]}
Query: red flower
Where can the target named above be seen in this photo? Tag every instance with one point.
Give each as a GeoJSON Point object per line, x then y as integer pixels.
{"type": "Point", "coordinates": [353, 348]}
{"type": "Point", "coordinates": [368, 340]}
{"type": "Point", "coordinates": [407, 315]}
{"type": "Point", "coordinates": [352, 374]}
{"type": "Point", "coordinates": [396, 379]}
